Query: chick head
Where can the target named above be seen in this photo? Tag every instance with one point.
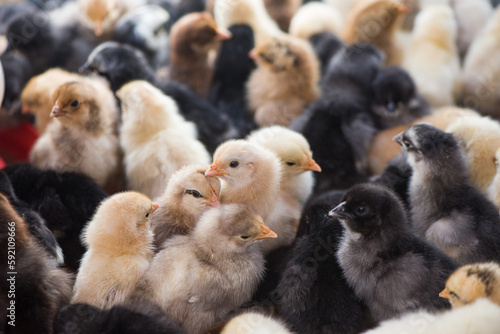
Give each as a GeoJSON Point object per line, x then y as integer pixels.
{"type": "Point", "coordinates": [279, 53]}
{"type": "Point", "coordinates": [102, 14]}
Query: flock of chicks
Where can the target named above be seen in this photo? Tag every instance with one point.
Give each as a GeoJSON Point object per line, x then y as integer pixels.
{"type": "Point", "coordinates": [200, 118]}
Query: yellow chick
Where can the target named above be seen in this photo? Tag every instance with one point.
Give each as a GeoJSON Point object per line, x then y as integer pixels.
{"type": "Point", "coordinates": [82, 137]}
{"type": "Point", "coordinates": [155, 138]}
{"type": "Point", "coordinates": [282, 11]}
{"type": "Point", "coordinates": [188, 195]}
{"type": "Point", "coordinates": [314, 18]}
{"type": "Point", "coordinates": [119, 242]}
{"type": "Point", "coordinates": [471, 282]}
{"type": "Point", "coordinates": [432, 59]}
{"type": "Point", "coordinates": [254, 323]}
{"type": "Point", "coordinates": [285, 81]}
{"type": "Point", "coordinates": [36, 95]}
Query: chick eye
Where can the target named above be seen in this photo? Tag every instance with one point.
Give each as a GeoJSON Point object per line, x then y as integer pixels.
{"type": "Point", "coordinates": [290, 163]}
{"type": "Point", "coordinates": [361, 210]}
{"type": "Point", "coordinates": [234, 164]}
{"type": "Point", "coordinates": [245, 237]}
{"type": "Point", "coordinates": [406, 143]}
{"type": "Point", "coordinates": [147, 215]}
{"type": "Point", "coordinates": [75, 103]}
{"type": "Point", "coordinates": [194, 193]}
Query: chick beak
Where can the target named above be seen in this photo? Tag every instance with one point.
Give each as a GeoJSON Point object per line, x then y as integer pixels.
{"type": "Point", "coordinates": [312, 165]}
{"type": "Point", "coordinates": [266, 233]}
{"type": "Point", "coordinates": [444, 294]}
{"type": "Point", "coordinates": [403, 9]}
{"type": "Point", "coordinates": [57, 112]}
{"type": "Point", "coordinates": [215, 171]}
{"type": "Point", "coordinates": [223, 34]}
{"type": "Point", "coordinates": [213, 200]}
{"type": "Point", "coordinates": [155, 207]}
{"type": "Point", "coordinates": [253, 54]}
{"type": "Point", "coordinates": [339, 211]}
{"type": "Point", "coordinates": [98, 29]}
{"type": "Point", "coordinates": [398, 138]}
{"type": "Point", "coordinates": [25, 109]}
{"type": "Point", "coordinates": [85, 69]}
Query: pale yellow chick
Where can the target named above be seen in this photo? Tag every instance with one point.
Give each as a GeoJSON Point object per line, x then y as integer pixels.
{"type": "Point", "coordinates": [314, 18]}
{"type": "Point", "coordinates": [254, 323]}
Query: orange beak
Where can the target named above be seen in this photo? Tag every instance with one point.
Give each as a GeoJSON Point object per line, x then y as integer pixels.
{"type": "Point", "coordinates": [266, 233]}
{"type": "Point", "coordinates": [223, 33]}
{"type": "Point", "coordinates": [155, 207]}
{"type": "Point", "coordinates": [215, 171]}
{"type": "Point", "coordinates": [444, 294]}
{"type": "Point", "coordinates": [25, 109]}
{"type": "Point", "coordinates": [253, 54]}
{"type": "Point", "coordinates": [56, 112]}
{"type": "Point", "coordinates": [98, 29]}
{"type": "Point", "coordinates": [312, 165]}
{"type": "Point", "coordinates": [403, 9]}
{"type": "Point", "coordinates": [213, 200]}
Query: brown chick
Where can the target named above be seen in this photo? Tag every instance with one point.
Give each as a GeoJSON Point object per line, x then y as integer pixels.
{"type": "Point", "coordinates": [82, 137]}
{"type": "Point", "coordinates": [191, 40]}
{"type": "Point", "coordinates": [119, 242]}
{"type": "Point", "coordinates": [188, 195]}
{"type": "Point", "coordinates": [199, 278]}
{"type": "Point", "coordinates": [285, 81]}
{"type": "Point", "coordinates": [471, 282]}
{"type": "Point", "coordinates": [282, 11]}
{"type": "Point", "coordinates": [33, 289]}
{"type": "Point", "coordinates": [377, 22]}
{"type": "Point", "coordinates": [36, 95]}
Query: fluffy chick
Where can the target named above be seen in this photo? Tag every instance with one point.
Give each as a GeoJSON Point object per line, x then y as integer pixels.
{"type": "Point", "coordinates": [188, 195]}
{"type": "Point", "coordinates": [40, 287]}
{"type": "Point", "coordinates": [446, 208]}
{"type": "Point", "coordinates": [17, 71]}
{"type": "Point", "coordinates": [285, 81]}
{"type": "Point", "coordinates": [36, 95]}
{"type": "Point", "coordinates": [482, 317]}
{"type": "Point", "coordinates": [198, 279]}
{"type": "Point", "coordinates": [155, 138]}
{"type": "Point", "coordinates": [325, 46]}
{"type": "Point", "coordinates": [479, 137]}
{"type": "Point", "coordinates": [389, 268]}
{"type": "Point", "coordinates": [191, 40]}
{"type": "Point", "coordinates": [82, 137]}
{"type": "Point", "coordinates": [296, 159]}
{"type": "Point", "coordinates": [119, 242]}
{"type": "Point", "coordinates": [282, 11]}
{"type": "Point", "coordinates": [480, 75]}
{"type": "Point", "coordinates": [387, 16]}
{"type": "Point", "coordinates": [256, 323]}
{"type": "Point", "coordinates": [432, 59]}
{"type": "Point", "coordinates": [315, 18]}
{"type": "Point", "coordinates": [471, 282]}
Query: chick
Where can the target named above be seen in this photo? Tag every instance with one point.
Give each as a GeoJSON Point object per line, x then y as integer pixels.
{"type": "Point", "coordinates": [296, 159]}
{"type": "Point", "coordinates": [32, 287]}
{"type": "Point", "coordinates": [256, 323]}
{"type": "Point", "coordinates": [314, 18]}
{"type": "Point", "coordinates": [191, 40]}
{"type": "Point", "coordinates": [376, 22]}
{"type": "Point", "coordinates": [483, 317]}
{"type": "Point", "coordinates": [494, 188]}
{"type": "Point", "coordinates": [36, 95]}
{"type": "Point", "coordinates": [395, 98]}
{"type": "Point", "coordinates": [325, 45]}
{"type": "Point", "coordinates": [151, 122]}
{"type": "Point", "coordinates": [188, 195]}
{"type": "Point", "coordinates": [480, 138]}
{"type": "Point", "coordinates": [17, 71]}
{"type": "Point", "coordinates": [480, 75]}
{"type": "Point", "coordinates": [446, 208]}
{"type": "Point", "coordinates": [285, 81]}
{"type": "Point", "coordinates": [82, 137]}
{"type": "Point", "coordinates": [282, 11]}
{"type": "Point", "coordinates": [389, 268]}
{"type": "Point", "coordinates": [198, 279]}
{"type": "Point", "coordinates": [432, 59]}
{"type": "Point", "coordinates": [119, 242]}
{"type": "Point", "coordinates": [471, 282]}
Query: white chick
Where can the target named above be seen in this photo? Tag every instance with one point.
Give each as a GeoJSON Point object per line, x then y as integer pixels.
{"type": "Point", "coordinates": [254, 323]}
{"type": "Point", "coordinates": [198, 279]}
{"type": "Point", "coordinates": [316, 17]}
{"type": "Point", "coordinates": [119, 242]}
{"type": "Point", "coordinates": [155, 138]}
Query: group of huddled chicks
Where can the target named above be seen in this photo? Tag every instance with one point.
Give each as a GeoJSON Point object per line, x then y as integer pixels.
{"type": "Point", "coordinates": [200, 119]}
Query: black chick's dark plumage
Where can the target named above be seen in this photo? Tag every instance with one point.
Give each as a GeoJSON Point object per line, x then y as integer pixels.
{"type": "Point", "coordinates": [390, 269]}
{"type": "Point", "coordinates": [17, 72]}
{"type": "Point", "coordinates": [67, 201]}
{"type": "Point", "coordinates": [326, 45]}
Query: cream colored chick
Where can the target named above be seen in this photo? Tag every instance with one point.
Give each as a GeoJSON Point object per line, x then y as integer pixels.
{"type": "Point", "coordinates": [377, 22]}
{"type": "Point", "coordinates": [314, 18]}
{"type": "Point", "coordinates": [481, 70]}
{"type": "Point", "coordinates": [343, 6]}
{"type": "Point", "coordinates": [433, 59]}
{"type": "Point", "coordinates": [250, 12]}
{"type": "Point", "coordinates": [82, 137]}
{"type": "Point", "coordinates": [494, 188]}
{"type": "Point", "coordinates": [282, 11]}
{"type": "Point", "coordinates": [188, 195]}
{"type": "Point", "coordinates": [480, 139]}
{"type": "Point", "coordinates": [295, 154]}
{"type": "Point", "coordinates": [101, 15]}
{"type": "Point", "coordinates": [471, 282]}
{"type": "Point", "coordinates": [155, 138]}
{"type": "Point", "coordinates": [198, 279]}
{"type": "Point", "coordinates": [254, 323]}
{"type": "Point", "coordinates": [285, 81]}
{"type": "Point", "coordinates": [36, 95]}
{"type": "Point", "coordinates": [119, 242]}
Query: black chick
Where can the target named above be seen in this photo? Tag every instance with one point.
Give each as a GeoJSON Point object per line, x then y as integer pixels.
{"type": "Point", "coordinates": [446, 208]}
{"type": "Point", "coordinates": [181, 8]}
{"type": "Point", "coordinates": [121, 63]}
{"type": "Point", "coordinates": [30, 283]}
{"type": "Point", "coordinates": [121, 319]}
{"type": "Point", "coordinates": [390, 269]}
{"type": "Point", "coordinates": [17, 72]}
{"type": "Point", "coordinates": [37, 226]}
{"type": "Point", "coordinates": [232, 70]}
{"type": "Point", "coordinates": [395, 98]}
{"type": "Point", "coordinates": [67, 201]}
{"type": "Point", "coordinates": [326, 45]}
{"type": "Point", "coordinates": [313, 296]}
